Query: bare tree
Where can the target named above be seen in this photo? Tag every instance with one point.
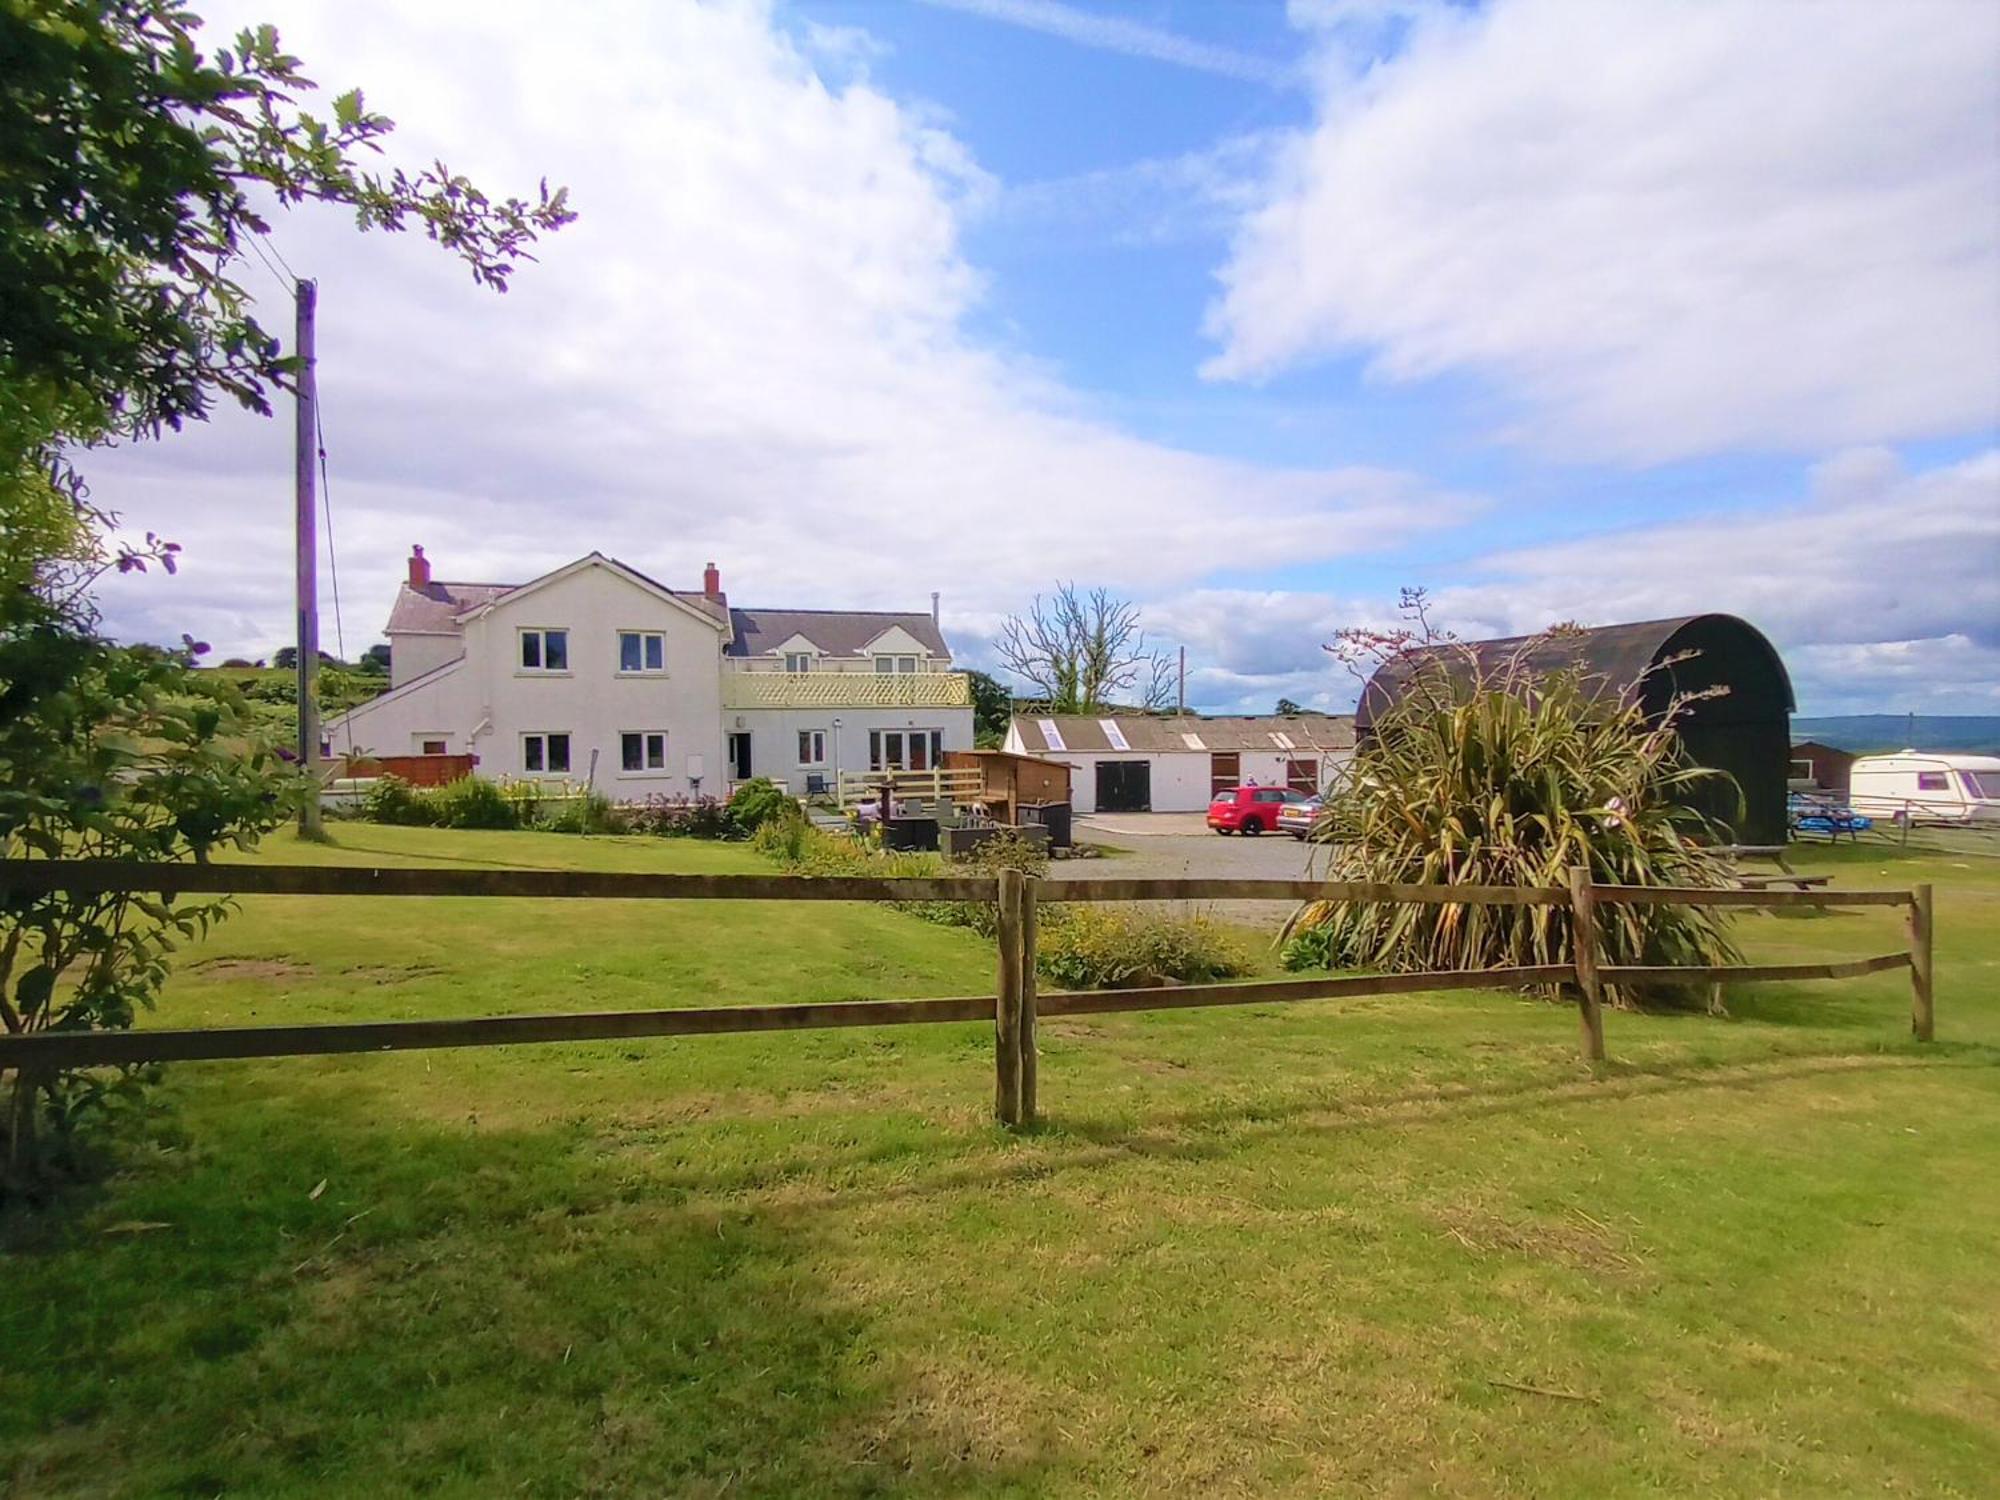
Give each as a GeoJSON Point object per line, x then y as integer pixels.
{"type": "Point", "coordinates": [1080, 651]}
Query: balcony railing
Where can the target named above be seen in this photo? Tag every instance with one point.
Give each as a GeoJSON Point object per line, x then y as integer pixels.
{"type": "Point", "coordinates": [846, 690]}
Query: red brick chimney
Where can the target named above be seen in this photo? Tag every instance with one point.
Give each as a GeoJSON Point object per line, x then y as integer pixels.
{"type": "Point", "coordinates": [420, 569]}
{"type": "Point", "coordinates": [711, 582]}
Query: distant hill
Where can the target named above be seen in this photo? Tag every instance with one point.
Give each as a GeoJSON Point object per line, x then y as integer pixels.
{"type": "Point", "coordinates": [1978, 734]}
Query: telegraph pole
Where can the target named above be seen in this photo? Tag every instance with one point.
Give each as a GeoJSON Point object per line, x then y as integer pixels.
{"type": "Point", "coordinates": [305, 443]}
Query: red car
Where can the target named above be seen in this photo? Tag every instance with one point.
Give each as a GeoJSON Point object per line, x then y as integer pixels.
{"type": "Point", "coordinates": [1249, 809]}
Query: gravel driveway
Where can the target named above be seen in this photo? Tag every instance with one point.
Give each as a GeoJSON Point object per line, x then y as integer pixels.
{"type": "Point", "coordinates": [1180, 845]}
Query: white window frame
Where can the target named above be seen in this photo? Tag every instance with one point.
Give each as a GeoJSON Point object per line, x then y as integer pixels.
{"type": "Point", "coordinates": [643, 637]}
{"type": "Point", "coordinates": [878, 744]}
{"type": "Point", "coordinates": [812, 747]}
{"type": "Point", "coordinates": [800, 661]}
{"type": "Point", "coordinates": [540, 739]}
{"type": "Point", "coordinates": [890, 662]}
{"type": "Point", "coordinates": [649, 765]}
{"type": "Point", "coordinates": [541, 634]}
{"type": "Point", "coordinates": [424, 736]}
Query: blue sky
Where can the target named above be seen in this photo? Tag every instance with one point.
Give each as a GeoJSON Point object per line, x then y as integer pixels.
{"type": "Point", "coordinates": [1255, 313]}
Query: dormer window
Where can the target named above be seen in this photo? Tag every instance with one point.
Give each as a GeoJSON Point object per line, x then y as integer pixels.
{"type": "Point", "coordinates": [887, 664]}
{"type": "Point", "coordinates": [544, 650]}
{"type": "Point", "coordinates": [798, 661]}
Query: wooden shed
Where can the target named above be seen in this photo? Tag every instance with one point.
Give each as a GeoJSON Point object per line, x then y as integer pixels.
{"type": "Point", "coordinates": [1012, 781]}
{"type": "Point", "coordinates": [1820, 768]}
{"type": "Point", "coordinates": [1746, 732]}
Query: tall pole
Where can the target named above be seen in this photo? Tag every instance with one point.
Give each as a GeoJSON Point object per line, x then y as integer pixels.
{"type": "Point", "coordinates": [305, 444]}
{"type": "Point", "coordinates": [1180, 698]}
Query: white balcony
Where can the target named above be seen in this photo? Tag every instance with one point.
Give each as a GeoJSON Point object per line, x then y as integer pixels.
{"type": "Point", "coordinates": [742, 689]}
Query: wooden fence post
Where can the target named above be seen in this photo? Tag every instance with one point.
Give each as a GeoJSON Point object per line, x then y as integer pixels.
{"type": "Point", "coordinates": [1923, 1016]}
{"type": "Point", "coordinates": [1583, 937]}
{"type": "Point", "coordinates": [1007, 1004]}
{"type": "Point", "coordinates": [1030, 935]}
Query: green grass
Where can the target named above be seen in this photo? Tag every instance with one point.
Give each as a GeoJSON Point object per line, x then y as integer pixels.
{"type": "Point", "coordinates": [1287, 1250]}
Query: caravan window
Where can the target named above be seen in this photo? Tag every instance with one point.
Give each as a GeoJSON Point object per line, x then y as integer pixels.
{"type": "Point", "coordinates": [1932, 781]}
{"type": "Point", "coordinates": [1984, 785]}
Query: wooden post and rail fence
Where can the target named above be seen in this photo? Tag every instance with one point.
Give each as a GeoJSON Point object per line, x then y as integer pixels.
{"type": "Point", "coordinates": [1014, 1007]}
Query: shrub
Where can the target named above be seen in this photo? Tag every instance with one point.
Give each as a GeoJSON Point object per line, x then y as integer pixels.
{"type": "Point", "coordinates": [783, 840]}
{"type": "Point", "coordinates": [390, 799]}
{"type": "Point", "coordinates": [758, 801]}
{"type": "Point", "coordinates": [1093, 948]}
{"type": "Point", "coordinates": [679, 817]}
{"type": "Point", "coordinates": [583, 812]}
{"type": "Point", "coordinates": [1506, 775]}
{"type": "Point", "coordinates": [1008, 849]}
{"type": "Point", "coordinates": [107, 753]}
{"type": "Point", "coordinates": [472, 802]}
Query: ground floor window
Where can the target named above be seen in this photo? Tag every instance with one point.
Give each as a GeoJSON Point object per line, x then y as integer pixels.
{"type": "Point", "coordinates": [1302, 776]}
{"type": "Point", "coordinates": [812, 747]}
{"type": "Point", "coordinates": [643, 750]}
{"type": "Point", "coordinates": [431, 744]}
{"type": "Point", "coordinates": [545, 751]}
{"type": "Point", "coordinates": [905, 749]}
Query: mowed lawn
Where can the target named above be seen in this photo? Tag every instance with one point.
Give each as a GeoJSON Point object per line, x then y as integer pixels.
{"type": "Point", "coordinates": [1406, 1245]}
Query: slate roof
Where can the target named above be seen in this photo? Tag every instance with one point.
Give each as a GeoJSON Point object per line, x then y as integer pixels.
{"type": "Point", "coordinates": [837, 632]}
{"type": "Point", "coordinates": [434, 608]}
{"type": "Point", "coordinates": [1146, 734]}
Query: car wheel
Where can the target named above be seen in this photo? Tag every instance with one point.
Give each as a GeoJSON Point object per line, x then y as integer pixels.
{"type": "Point", "coordinates": [1252, 827]}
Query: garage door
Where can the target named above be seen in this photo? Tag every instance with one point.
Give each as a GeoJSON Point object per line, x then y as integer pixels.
{"type": "Point", "coordinates": [1124, 786]}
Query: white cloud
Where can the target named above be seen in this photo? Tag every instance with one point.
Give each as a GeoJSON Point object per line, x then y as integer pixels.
{"type": "Point", "coordinates": [1119, 34]}
{"type": "Point", "coordinates": [751, 348]}
{"type": "Point", "coordinates": [1881, 589]}
{"type": "Point", "coordinates": [1659, 230]}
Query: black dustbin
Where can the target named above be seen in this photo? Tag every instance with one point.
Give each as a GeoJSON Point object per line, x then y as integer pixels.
{"type": "Point", "coordinates": [1054, 816]}
{"type": "Point", "coordinates": [905, 834]}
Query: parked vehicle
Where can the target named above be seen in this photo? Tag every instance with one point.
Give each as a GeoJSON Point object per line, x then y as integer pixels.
{"type": "Point", "coordinates": [1297, 818]}
{"type": "Point", "coordinates": [1925, 787]}
{"type": "Point", "coordinates": [1250, 809]}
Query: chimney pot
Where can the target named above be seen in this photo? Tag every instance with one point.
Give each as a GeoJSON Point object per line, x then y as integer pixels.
{"type": "Point", "coordinates": [711, 581]}
{"type": "Point", "coordinates": [420, 569]}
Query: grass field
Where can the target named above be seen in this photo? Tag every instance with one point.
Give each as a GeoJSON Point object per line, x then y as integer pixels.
{"type": "Point", "coordinates": [1395, 1246]}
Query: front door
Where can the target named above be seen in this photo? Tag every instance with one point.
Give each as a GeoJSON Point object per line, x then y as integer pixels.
{"type": "Point", "coordinates": [1124, 786]}
{"type": "Point", "coordinates": [739, 756]}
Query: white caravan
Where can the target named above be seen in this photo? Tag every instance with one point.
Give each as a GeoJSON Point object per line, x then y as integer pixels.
{"type": "Point", "coordinates": [1927, 787]}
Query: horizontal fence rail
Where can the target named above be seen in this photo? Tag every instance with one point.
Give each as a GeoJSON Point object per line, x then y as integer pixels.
{"type": "Point", "coordinates": [83, 877]}
{"type": "Point", "coordinates": [1695, 895]}
{"type": "Point", "coordinates": [1014, 1007]}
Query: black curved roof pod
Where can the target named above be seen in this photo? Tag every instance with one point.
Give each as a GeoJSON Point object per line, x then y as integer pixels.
{"type": "Point", "coordinates": [1746, 732]}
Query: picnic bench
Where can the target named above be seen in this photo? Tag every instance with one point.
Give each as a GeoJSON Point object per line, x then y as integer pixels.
{"type": "Point", "coordinates": [1776, 854]}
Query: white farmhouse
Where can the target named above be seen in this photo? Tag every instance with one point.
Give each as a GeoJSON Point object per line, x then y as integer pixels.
{"type": "Point", "coordinates": [596, 672]}
{"type": "Point", "coordinates": [1176, 763]}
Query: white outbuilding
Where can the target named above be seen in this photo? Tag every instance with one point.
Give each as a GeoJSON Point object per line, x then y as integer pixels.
{"type": "Point", "coordinates": [1133, 762]}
